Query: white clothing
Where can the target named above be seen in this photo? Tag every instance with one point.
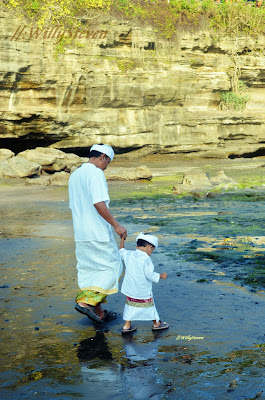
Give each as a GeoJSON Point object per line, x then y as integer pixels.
{"type": "Point", "coordinates": [99, 266]}
{"type": "Point", "coordinates": [104, 149]}
{"type": "Point", "coordinates": [131, 313]}
{"type": "Point", "coordinates": [137, 284]}
{"type": "Point", "coordinates": [88, 186]}
{"type": "Point", "coordinates": [148, 238]}
{"type": "Point", "coordinates": [139, 274]}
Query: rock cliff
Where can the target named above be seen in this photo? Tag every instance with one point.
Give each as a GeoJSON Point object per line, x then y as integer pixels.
{"type": "Point", "coordinates": [118, 83]}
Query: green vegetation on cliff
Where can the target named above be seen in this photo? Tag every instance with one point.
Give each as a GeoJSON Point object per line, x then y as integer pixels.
{"type": "Point", "coordinates": [235, 99]}
{"type": "Point", "coordinates": [167, 17]}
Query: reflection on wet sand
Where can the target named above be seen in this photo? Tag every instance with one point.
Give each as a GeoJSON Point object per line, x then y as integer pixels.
{"type": "Point", "coordinates": [51, 352]}
{"type": "Point", "coordinates": [129, 368]}
{"type": "Point", "coordinates": [140, 377]}
{"type": "Point", "coordinates": [95, 347]}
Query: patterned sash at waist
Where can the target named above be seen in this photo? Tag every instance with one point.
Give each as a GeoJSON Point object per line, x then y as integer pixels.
{"type": "Point", "coordinates": [139, 302]}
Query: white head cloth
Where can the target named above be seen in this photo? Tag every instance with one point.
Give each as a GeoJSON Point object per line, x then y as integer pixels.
{"type": "Point", "coordinates": [104, 149]}
{"type": "Point", "coordinates": [149, 238]}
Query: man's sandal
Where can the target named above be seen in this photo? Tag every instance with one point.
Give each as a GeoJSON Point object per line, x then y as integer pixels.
{"type": "Point", "coordinates": [109, 316]}
{"type": "Point", "coordinates": [162, 325]}
{"type": "Point", "coordinates": [89, 311]}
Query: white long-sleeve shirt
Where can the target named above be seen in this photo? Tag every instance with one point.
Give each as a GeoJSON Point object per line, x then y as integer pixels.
{"type": "Point", "coordinates": [139, 274]}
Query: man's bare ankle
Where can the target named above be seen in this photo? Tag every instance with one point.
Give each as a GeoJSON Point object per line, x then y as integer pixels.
{"type": "Point", "coordinates": [83, 305]}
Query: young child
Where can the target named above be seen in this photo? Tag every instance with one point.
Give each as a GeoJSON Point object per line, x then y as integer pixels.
{"type": "Point", "coordinates": [137, 283]}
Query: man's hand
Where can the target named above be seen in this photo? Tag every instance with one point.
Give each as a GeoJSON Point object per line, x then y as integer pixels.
{"type": "Point", "coordinates": [121, 231]}
{"type": "Point", "coordinates": [105, 213]}
{"type": "Point", "coordinates": [163, 275]}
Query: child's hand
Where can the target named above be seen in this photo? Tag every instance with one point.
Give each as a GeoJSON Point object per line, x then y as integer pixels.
{"type": "Point", "coordinates": [163, 275]}
{"type": "Point", "coordinates": [122, 243]}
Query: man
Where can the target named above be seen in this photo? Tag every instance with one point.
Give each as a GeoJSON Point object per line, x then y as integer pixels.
{"type": "Point", "coordinates": [98, 261]}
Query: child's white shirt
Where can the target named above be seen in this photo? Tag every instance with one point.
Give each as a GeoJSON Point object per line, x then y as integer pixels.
{"type": "Point", "coordinates": [139, 274]}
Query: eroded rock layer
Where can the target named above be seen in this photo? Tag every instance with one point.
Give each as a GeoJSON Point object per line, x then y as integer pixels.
{"type": "Point", "coordinates": [119, 84]}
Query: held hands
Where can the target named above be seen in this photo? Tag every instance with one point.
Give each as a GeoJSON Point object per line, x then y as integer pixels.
{"type": "Point", "coordinates": [121, 231]}
{"type": "Point", "coordinates": [163, 275]}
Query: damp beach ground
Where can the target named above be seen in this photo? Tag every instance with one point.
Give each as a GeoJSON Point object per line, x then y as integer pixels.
{"type": "Point", "coordinates": [213, 299]}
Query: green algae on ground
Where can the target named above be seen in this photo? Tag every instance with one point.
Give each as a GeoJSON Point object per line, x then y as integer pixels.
{"type": "Point", "coordinates": [155, 188]}
{"type": "Point", "coordinates": [256, 276]}
{"type": "Point", "coordinates": [225, 232]}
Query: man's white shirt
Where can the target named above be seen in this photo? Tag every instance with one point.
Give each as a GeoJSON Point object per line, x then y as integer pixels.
{"type": "Point", "coordinates": [88, 186]}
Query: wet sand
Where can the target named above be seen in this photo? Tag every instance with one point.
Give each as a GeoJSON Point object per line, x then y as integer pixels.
{"type": "Point", "coordinates": [214, 348]}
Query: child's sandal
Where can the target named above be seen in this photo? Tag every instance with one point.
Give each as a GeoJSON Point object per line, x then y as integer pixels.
{"type": "Point", "coordinates": [162, 325]}
{"type": "Point", "coordinates": [129, 330]}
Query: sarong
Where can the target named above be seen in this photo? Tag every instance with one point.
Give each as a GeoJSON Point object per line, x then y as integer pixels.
{"type": "Point", "coordinates": [90, 297]}
{"type": "Point", "coordinates": [99, 267]}
{"type": "Point", "coordinates": [140, 310]}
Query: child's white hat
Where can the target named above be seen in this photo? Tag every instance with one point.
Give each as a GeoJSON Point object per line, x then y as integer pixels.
{"type": "Point", "coordinates": [104, 149]}
{"type": "Point", "coordinates": [149, 238]}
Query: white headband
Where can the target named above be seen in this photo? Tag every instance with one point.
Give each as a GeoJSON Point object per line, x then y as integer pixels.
{"type": "Point", "coordinates": [104, 149]}
{"type": "Point", "coordinates": [149, 238]}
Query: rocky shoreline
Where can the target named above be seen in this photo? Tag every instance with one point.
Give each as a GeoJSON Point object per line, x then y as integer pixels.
{"type": "Point", "coordinates": [48, 166]}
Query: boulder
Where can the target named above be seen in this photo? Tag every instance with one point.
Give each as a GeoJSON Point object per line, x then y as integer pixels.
{"type": "Point", "coordinates": [5, 154]}
{"type": "Point", "coordinates": [73, 169]}
{"type": "Point", "coordinates": [59, 178]}
{"type": "Point", "coordinates": [58, 165]}
{"type": "Point", "coordinates": [221, 180]}
{"type": "Point", "coordinates": [18, 167]}
{"type": "Point", "coordinates": [43, 155]}
{"type": "Point", "coordinates": [196, 178]}
{"type": "Point", "coordinates": [72, 160]}
{"type": "Point", "coordinates": [193, 181]}
{"type": "Point", "coordinates": [38, 180]}
{"type": "Point", "coordinates": [53, 160]}
{"type": "Point", "coordinates": [129, 174]}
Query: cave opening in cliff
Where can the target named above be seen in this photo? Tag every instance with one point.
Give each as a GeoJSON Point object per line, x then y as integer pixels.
{"type": "Point", "coordinates": [84, 151]}
{"type": "Point", "coordinates": [257, 153]}
{"type": "Point", "coordinates": [26, 143]}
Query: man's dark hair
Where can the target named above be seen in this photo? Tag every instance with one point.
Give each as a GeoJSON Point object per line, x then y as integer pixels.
{"type": "Point", "coordinates": [95, 153]}
{"type": "Point", "coordinates": [143, 243]}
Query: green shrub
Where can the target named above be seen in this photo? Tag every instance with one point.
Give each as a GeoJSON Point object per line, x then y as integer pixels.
{"type": "Point", "coordinates": [236, 101]}
{"type": "Point", "coordinates": [125, 66]}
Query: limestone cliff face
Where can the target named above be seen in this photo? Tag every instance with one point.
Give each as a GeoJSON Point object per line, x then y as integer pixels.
{"type": "Point", "coordinates": [119, 84]}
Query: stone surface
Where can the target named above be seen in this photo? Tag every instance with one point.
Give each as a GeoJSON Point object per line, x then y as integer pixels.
{"type": "Point", "coordinates": [129, 89]}
{"type": "Point", "coordinates": [193, 181]}
{"type": "Point", "coordinates": [53, 160]}
{"type": "Point", "coordinates": [44, 156]}
{"type": "Point", "coordinates": [42, 180]}
{"type": "Point", "coordinates": [128, 174]}
{"type": "Point", "coordinates": [40, 160]}
{"type": "Point", "coordinates": [223, 181]}
{"type": "Point", "coordinates": [72, 160]}
{"type": "Point", "coordinates": [18, 167]}
{"type": "Point", "coordinates": [59, 178]}
{"type": "Point", "coordinates": [196, 181]}
{"type": "Point", "coordinates": [5, 154]}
